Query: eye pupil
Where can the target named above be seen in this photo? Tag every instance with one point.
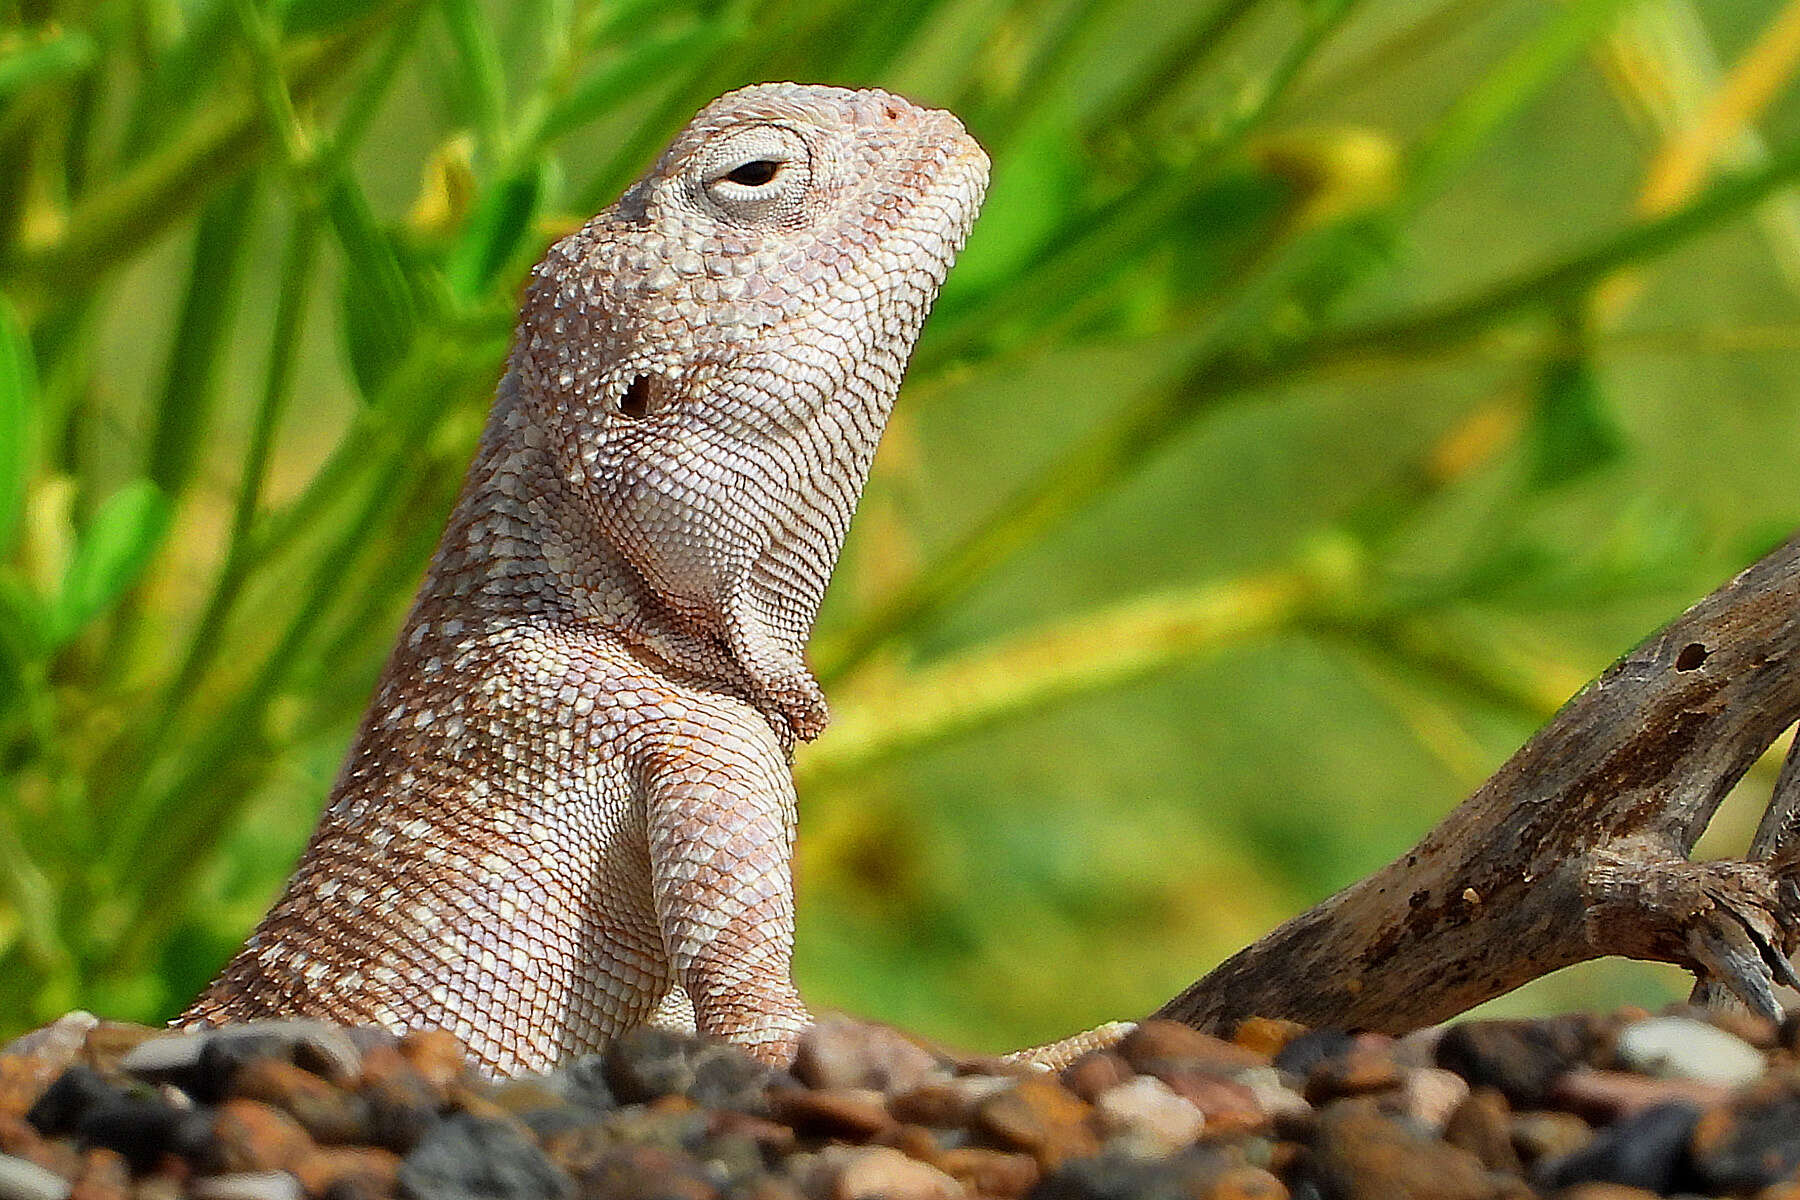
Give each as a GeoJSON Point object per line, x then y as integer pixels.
{"type": "Point", "coordinates": [754, 173]}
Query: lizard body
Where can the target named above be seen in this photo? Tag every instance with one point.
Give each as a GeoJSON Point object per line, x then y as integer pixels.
{"type": "Point", "coordinates": [568, 809]}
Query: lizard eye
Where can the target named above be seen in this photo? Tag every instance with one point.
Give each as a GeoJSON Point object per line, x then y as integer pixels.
{"type": "Point", "coordinates": [755, 175]}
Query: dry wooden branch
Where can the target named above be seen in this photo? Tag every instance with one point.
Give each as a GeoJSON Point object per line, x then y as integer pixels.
{"type": "Point", "coordinates": [1577, 848]}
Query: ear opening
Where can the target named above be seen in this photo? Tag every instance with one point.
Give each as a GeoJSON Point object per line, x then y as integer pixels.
{"type": "Point", "coordinates": [636, 402]}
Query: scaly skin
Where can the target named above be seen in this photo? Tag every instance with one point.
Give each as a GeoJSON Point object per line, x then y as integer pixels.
{"type": "Point", "coordinates": [568, 809]}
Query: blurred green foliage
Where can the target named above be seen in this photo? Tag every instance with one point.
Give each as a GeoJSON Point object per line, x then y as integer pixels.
{"type": "Point", "coordinates": [1328, 389]}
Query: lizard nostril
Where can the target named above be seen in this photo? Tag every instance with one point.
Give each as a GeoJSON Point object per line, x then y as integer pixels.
{"type": "Point", "coordinates": [635, 402]}
{"type": "Point", "coordinates": [891, 112]}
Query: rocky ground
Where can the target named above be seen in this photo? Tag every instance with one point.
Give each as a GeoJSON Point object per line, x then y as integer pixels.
{"type": "Point", "coordinates": [1582, 1108]}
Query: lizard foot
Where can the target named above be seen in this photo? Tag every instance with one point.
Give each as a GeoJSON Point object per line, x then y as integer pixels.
{"type": "Point", "coordinates": [1733, 924]}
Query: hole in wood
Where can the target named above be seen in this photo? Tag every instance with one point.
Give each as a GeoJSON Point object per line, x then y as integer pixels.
{"type": "Point", "coordinates": [1691, 656]}
{"type": "Point", "coordinates": [635, 403]}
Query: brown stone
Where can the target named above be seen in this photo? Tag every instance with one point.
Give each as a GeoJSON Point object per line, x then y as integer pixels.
{"type": "Point", "coordinates": [327, 1112]}
{"type": "Point", "coordinates": [1367, 1066]}
{"type": "Point", "coordinates": [104, 1175]}
{"type": "Point", "coordinates": [1607, 1096]}
{"type": "Point", "coordinates": [945, 1103]}
{"type": "Point", "coordinates": [852, 1113]}
{"type": "Point", "coordinates": [1163, 1047]}
{"type": "Point", "coordinates": [19, 1139]}
{"type": "Point", "coordinates": [436, 1054]}
{"type": "Point", "coordinates": [835, 1053]}
{"type": "Point", "coordinates": [1759, 1031]}
{"type": "Point", "coordinates": [1266, 1036]}
{"type": "Point", "coordinates": [110, 1041]}
{"type": "Point", "coordinates": [251, 1136]}
{"type": "Point", "coordinates": [1040, 1117]}
{"type": "Point", "coordinates": [914, 1141]}
{"type": "Point", "coordinates": [1228, 1107]}
{"type": "Point", "coordinates": [989, 1172]}
{"type": "Point", "coordinates": [1094, 1072]}
{"type": "Point", "coordinates": [770, 1137]}
{"type": "Point", "coordinates": [356, 1170]}
{"type": "Point", "coordinates": [633, 1172]}
{"type": "Point", "coordinates": [1360, 1154]}
{"type": "Point", "coordinates": [1538, 1136]}
{"type": "Point", "coordinates": [876, 1173]}
{"type": "Point", "coordinates": [23, 1079]}
{"type": "Point", "coordinates": [767, 1187]}
{"type": "Point", "coordinates": [402, 1104]}
{"type": "Point", "coordinates": [1246, 1183]}
{"type": "Point", "coordinates": [1482, 1125]}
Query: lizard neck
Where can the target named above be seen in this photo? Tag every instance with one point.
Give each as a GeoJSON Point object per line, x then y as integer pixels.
{"type": "Point", "coordinates": [521, 547]}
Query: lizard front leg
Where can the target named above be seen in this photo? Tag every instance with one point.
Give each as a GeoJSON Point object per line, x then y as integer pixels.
{"type": "Point", "coordinates": [719, 808]}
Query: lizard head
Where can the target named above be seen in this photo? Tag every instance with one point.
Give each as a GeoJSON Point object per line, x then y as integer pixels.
{"type": "Point", "coordinates": [711, 361]}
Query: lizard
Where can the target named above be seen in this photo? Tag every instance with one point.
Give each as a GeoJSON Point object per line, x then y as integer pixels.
{"type": "Point", "coordinates": [568, 809]}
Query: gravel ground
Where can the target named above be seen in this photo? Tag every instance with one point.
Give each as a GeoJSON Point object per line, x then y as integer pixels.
{"type": "Point", "coordinates": [1587, 1107]}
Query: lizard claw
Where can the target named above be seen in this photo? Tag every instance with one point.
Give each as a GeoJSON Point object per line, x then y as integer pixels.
{"type": "Point", "coordinates": [1740, 944]}
{"type": "Point", "coordinates": [1731, 956]}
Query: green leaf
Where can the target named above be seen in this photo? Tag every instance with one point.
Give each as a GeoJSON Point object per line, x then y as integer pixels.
{"type": "Point", "coordinates": [110, 555]}
{"type": "Point", "coordinates": [604, 89]}
{"type": "Point", "coordinates": [189, 393]}
{"type": "Point", "coordinates": [501, 220]}
{"type": "Point", "coordinates": [302, 17]}
{"type": "Point", "coordinates": [18, 408]}
{"type": "Point", "coordinates": [380, 309]}
{"type": "Point", "coordinates": [23, 623]}
{"type": "Point", "coordinates": [29, 63]}
{"type": "Point", "coordinates": [1573, 430]}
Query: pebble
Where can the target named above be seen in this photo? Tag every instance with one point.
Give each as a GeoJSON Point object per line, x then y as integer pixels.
{"type": "Point", "coordinates": [875, 1173]}
{"type": "Point", "coordinates": [1039, 1117]}
{"type": "Point", "coordinates": [1751, 1142]}
{"type": "Point", "coordinates": [1362, 1154]}
{"type": "Point", "coordinates": [249, 1136]}
{"type": "Point", "coordinates": [21, 1179]}
{"type": "Point", "coordinates": [248, 1185]}
{"type": "Point", "coordinates": [1162, 1047]}
{"type": "Point", "coordinates": [1429, 1095]}
{"type": "Point", "coordinates": [1147, 1117]}
{"type": "Point", "coordinates": [1645, 1151]}
{"type": "Point", "coordinates": [1096, 1071]}
{"type": "Point", "coordinates": [1683, 1048]}
{"type": "Point", "coordinates": [1606, 1096]}
{"type": "Point", "coordinates": [202, 1062]}
{"type": "Point", "coordinates": [1482, 1125]}
{"type": "Point", "coordinates": [104, 1175]}
{"type": "Point", "coordinates": [989, 1172]}
{"type": "Point", "coordinates": [471, 1158]}
{"type": "Point", "coordinates": [327, 1113]}
{"type": "Point", "coordinates": [836, 1053]}
{"type": "Point", "coordinates": [1520, 1059]}
{"type": "Point", "coordinates": [637, 1172]}
{"type": "Point", "coordinates": [1363, 1065]}
{"type": "Point", "coordinates": [1488, 1110]}
{"type": "Point", "coordinates": [853, 1113]}
{"type": "Point", "coordinates": [951, 1103]}
{"type": "Point", "coordinates": [1266, 1035]}
{"type": "Point", "coordinates": [1543, 1135]}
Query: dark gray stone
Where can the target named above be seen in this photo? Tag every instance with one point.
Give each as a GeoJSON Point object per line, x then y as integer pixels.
{"type": "Point", "coordinates": [473, 1158]}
